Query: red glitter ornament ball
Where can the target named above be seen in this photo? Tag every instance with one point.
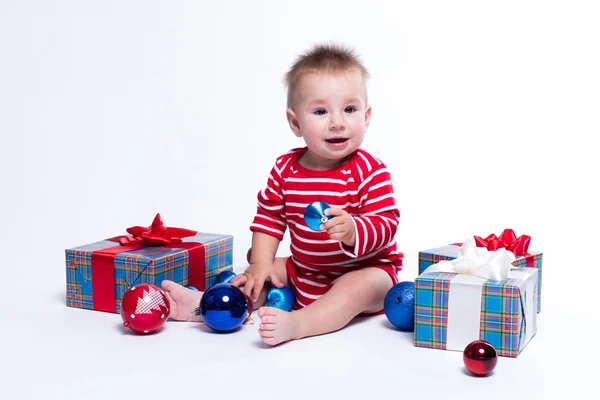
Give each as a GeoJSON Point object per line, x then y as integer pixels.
{"type": "Point", "coordinates": [480, 357]}
{"type": "Point", "coordinates": [145, 308]}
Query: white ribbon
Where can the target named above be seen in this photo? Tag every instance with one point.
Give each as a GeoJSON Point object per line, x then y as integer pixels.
{"type": "Point", "coordinates": [477, 261]}
{"type": "Point", "coordinates": [474, 265]}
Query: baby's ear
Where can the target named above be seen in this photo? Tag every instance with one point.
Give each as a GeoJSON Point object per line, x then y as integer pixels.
{"type": "Point", "coordinates": [291, 117]}
{"type": "Point", "coordinates": [367, 117]}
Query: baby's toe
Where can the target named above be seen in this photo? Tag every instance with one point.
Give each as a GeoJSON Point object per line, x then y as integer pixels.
{"type": "Point", "coordinates": [267, 327]}
{"type": "Point", "coordinates": [268, 319]}
{"type": "Point", "coordinates": [267, 311]}
{"type": "Point", "coordinates": [271, 341]}
{"type": "Point", "coordinates": [167, 285]}
{"type": "Point", "coordinates": [266, 334]}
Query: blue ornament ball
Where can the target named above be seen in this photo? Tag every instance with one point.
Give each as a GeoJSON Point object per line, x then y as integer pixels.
{"type": "Point", "coordinates": [314, 215]}
{"type": "Point", "coordinates": [224, 307]}
{"type": "Point", "coordinates": [399, 305]}
{"type": "Point", "coordinates": [281, 298]}
{"type": "Point", "coordinates": [224, 277]}
{"type": "Point", "coordinates": [192, 288]}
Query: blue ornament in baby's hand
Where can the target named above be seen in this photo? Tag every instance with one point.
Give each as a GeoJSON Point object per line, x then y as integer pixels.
{"type": "Point", "coordinates": [314, 215]}
{"type": "Point", "coordinates": [281, 298]}
{"type": "Point", "coordinates": [399, 306]}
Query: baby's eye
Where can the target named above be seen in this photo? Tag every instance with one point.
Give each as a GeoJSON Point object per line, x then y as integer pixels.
{"type": "Point", "coordinates": [350, 109]}
{"type": "Point", "coordinates": [320, 111]}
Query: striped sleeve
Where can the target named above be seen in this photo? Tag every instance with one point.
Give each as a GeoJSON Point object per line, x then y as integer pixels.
{"type": "Point", "coordinates": [378, 216]}
{"type": "Point", "coordinates": [270, 210]}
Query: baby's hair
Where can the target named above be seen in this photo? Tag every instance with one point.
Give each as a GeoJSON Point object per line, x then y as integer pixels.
{"type": "Point", "coordinates": [323, 58]}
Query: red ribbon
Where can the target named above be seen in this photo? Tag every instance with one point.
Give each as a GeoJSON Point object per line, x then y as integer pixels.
{"type": "Point", "coordinates": [156, 234]}
{"type": "Point", "coordinates": [103, 268]}
{"type": "Point", "coordinates": [509, 241]}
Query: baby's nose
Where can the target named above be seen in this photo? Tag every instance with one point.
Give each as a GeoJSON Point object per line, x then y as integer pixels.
{"type": "Point", "coordinates": [337, 123]}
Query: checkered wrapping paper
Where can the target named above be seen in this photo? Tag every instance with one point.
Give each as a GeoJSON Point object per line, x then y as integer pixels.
{"type": "Point", "coordinates": [451, 251]}
{"type": "Point", "coordinates": [431, 311]}
{"type": "Point", "coordinates": [147, 265]}
{"type": "Point", "coordinates": [502, 322]}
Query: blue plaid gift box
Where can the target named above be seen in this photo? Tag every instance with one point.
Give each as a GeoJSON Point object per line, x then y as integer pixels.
{"type": "Point", "coordinates": [144, 265]}
{"type": "Point", "coordinates": [491, 301]}
{"type": "Point", "coordinates": [451, 251]}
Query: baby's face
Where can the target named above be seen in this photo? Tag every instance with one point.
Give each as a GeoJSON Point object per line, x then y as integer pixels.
{"type": "Point", "coordinates": [332, 114]}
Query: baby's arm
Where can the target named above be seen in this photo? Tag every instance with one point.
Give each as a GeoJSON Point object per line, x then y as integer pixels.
{"type": "Point", "coordinates": [264, 248]}
{"type": "Point", "coordinates": [268, 228]}
{"type": "Point", "coordinates": [377, 219]}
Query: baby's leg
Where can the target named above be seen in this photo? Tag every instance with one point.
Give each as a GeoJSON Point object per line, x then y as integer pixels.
{"type": "Point", "coordinates": [184, 300]}
{"type": "Point", "coordinates": [356, 292]}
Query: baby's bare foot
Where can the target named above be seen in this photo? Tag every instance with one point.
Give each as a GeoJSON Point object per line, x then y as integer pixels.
{"type": "Point", "coordinates": [183, 301]}
{"type": "Point", "coordinates": [277, 326]}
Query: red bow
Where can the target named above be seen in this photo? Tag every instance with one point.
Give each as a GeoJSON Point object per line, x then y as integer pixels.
{"type": "Point", "coordinates": [508, 240]}
{"type": "Point", "coordinates": [155, 235]}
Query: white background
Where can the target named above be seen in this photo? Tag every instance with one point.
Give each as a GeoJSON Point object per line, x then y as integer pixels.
{"type": "Point", "coordinates": [486, 114]}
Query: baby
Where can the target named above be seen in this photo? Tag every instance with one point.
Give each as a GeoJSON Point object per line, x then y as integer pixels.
{"type": "Point", "coordinates": [347, 267]}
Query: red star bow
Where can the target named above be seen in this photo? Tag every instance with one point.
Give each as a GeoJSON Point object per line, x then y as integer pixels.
{"type": "Point", "coordinates": [508, 240]}
{"type": "Point", "coordinates": [156, 234]}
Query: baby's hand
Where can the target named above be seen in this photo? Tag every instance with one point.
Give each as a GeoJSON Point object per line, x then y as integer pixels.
{"type": "Point", "coordinates": [253, 279]}
{"type": "Point", "coordinates": [340, 227]}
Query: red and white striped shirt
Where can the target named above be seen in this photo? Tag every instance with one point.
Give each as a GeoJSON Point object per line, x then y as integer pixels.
{"type": "Point", "coordinates": [362, 187]}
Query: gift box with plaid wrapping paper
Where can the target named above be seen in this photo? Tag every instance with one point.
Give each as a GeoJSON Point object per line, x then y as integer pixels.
{"type": "Point", "coordinates": [99, 274]}
{"type": "Point", "coordinates": [507, 239]}
{"type": "Point", "coordinates": [477, 295]}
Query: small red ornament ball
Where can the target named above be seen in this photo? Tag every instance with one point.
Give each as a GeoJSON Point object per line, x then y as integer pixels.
{"type": "Point", "coordinates": [145, 308]}
{"type": "Point", "coordinates": [480, 357]}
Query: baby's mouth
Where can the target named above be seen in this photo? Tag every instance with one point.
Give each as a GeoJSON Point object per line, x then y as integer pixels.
{"type": "Point", "coordinates": [336, 140]}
